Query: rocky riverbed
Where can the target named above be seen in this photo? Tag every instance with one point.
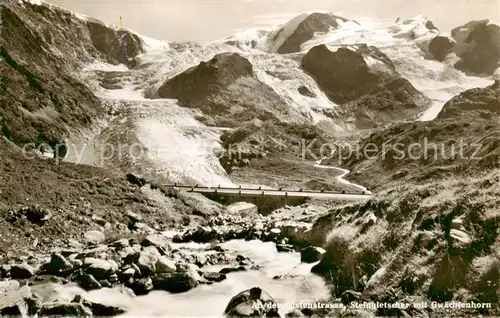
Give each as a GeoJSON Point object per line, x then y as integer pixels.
{"type": "Point", "coordinates": [147, 261]}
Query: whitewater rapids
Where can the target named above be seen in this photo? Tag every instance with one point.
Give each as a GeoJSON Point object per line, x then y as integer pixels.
{"type": "Point", "coordinates": [210, 300]}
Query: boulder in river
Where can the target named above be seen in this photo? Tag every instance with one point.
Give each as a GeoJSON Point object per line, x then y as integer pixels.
{"type": "Point", "coordinates": [58, 265]}
{"type": "Point", "coordinates": [311, 254]}
{"type": "Point", "coordinates": [98, 268]}
{"type": "Point", "coordinates": [141, 286]}
{"type": "Point", "coordinates": [165, 265]}
{"type": "Point", "coordinates": [175, 282]}
{"type": "Point", "coordinates": [253, 302]}
{"type": "Point", "coordinates": [160, 242]}
{"type": "Point", "coordinates": [21, 271]}
{"type": "Point", "coordinates": [147, 262]}
{"type": "Point", "coordinates": [16, 300]}
{"type": "Point", "coordinates": [102, 310]}
{"type": "Point", "coordinates": [64, 309]}
{"type": "Point", "coordinates": [213, 276]}
{"type": "Point", "coordinates": [88, 282]}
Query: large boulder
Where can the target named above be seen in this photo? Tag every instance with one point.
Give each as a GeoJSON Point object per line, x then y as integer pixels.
{"type": "Point", "coordinates": [165, 265]}
{"type": "Point", "coordinates": [64, 309]}
{"type": "Point", "coordinates": [366, 81]}
{"type": "Point", "coordinates": [22, 271]}
{"type": "Point", "coordinates": [474, 103]}
{"type": "Point", "coordinates": [302, 28]}
{"type": "Point", "coordinates": [478, 46]}
{"type": "Point", "coordinates": [94, 237]}
{"type": "Point", "coordinates": [175, 282]}
{"type": "Point", "coordinates": [98, 268]}
{"type": "Point", "coordinates": [16, 300]}
{"type": "Point", "coordinates": [253, 302]}
{"type": "Point", "coordinates": [141, 286]}
{"type": "Point", "coordinates": [311, 254]}
{"type": "Point", "coordinates": [243, 209]}
{"type": "Point", "coordinates": [58, 265]}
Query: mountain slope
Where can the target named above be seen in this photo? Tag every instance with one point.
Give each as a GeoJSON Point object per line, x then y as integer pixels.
{"type": "Point", "coordinates": [437, 241]}
{"type": "Point", "coordinates": [476, 44]}
{"type": "Point", "coordinates": [450, 145]}
{"type": "Point", "coordinates": [42, 99]}
{"type": "Point", "coordinates": [305, 30]}
{"type": "Point", "coordinates": [45, 99]}
{"type": "Point", "coordinates": [175, 112]}
{"type": "Point", "coordinates": [366, 81]}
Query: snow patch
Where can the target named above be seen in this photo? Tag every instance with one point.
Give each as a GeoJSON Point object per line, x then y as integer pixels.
{"type": "Point", "coordinates": [370, 61]}
{"type": "Point", "coordinates": [34, 2]}
{"type": "Point", "coordinates": [153, 45]}
{"type": "Point", "coordinates": [286, 31]}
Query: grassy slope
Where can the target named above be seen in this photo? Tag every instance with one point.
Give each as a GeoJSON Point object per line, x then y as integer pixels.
{"type": "Point", "coordinates": [75, 193]}
{"type": "Point", "coordinates": [463, 140]}
{"type": "Point", "coordinates": [407, 242]}
{"type": "Point", "coordinates": [432, 231]}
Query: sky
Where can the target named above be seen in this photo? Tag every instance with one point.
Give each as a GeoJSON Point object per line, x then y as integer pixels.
{"type": "Point", "coordinates": [209, 20]}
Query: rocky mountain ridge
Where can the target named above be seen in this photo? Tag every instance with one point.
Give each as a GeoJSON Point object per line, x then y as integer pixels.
{"type": "Point", "coordinates": [42, 100]}
{"type": "Point", "coordinates": [476, 44]}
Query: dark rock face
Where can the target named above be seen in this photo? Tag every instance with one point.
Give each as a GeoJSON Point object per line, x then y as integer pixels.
{"type": "Point", "coordinates": [310, 254]}
{"type": "Point", "coordinates": [338, 264]}
{"type": "Point", "coordinates": [135, 179]}
{"type": "Point", "coordinates": [315, 22]}
{"type": "Point", "coordinates": [478, 46]}
{"type": "Point", "coordinates": [303, 90]}
{"type": "Point", "coordinates": [430, 25]}
{"type": "Point", "coordinates": [440, 47]}
{"type": "Point", "coordinates": [207, 78]}
{"type": "Point", "coordinates": [224, 89]}
{"type": "Point", "coordinates": [108, 42]}
{"type": "Point", "coordinates": [474, 103]}
{"type": "Point", "coordinates": [345, 75]}
{"type": "Point", "coordinates": [255, 139]}
{"type": "Point", "coordinates": [252, 302]}
{"type": "Point", "coordinates": [39, 95]}
{"type": "Point", "coordinates": [366, 80]}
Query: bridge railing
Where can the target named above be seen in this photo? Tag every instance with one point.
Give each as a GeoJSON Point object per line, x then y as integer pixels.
{"type": "Point", "coordinates": [221, 188]}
